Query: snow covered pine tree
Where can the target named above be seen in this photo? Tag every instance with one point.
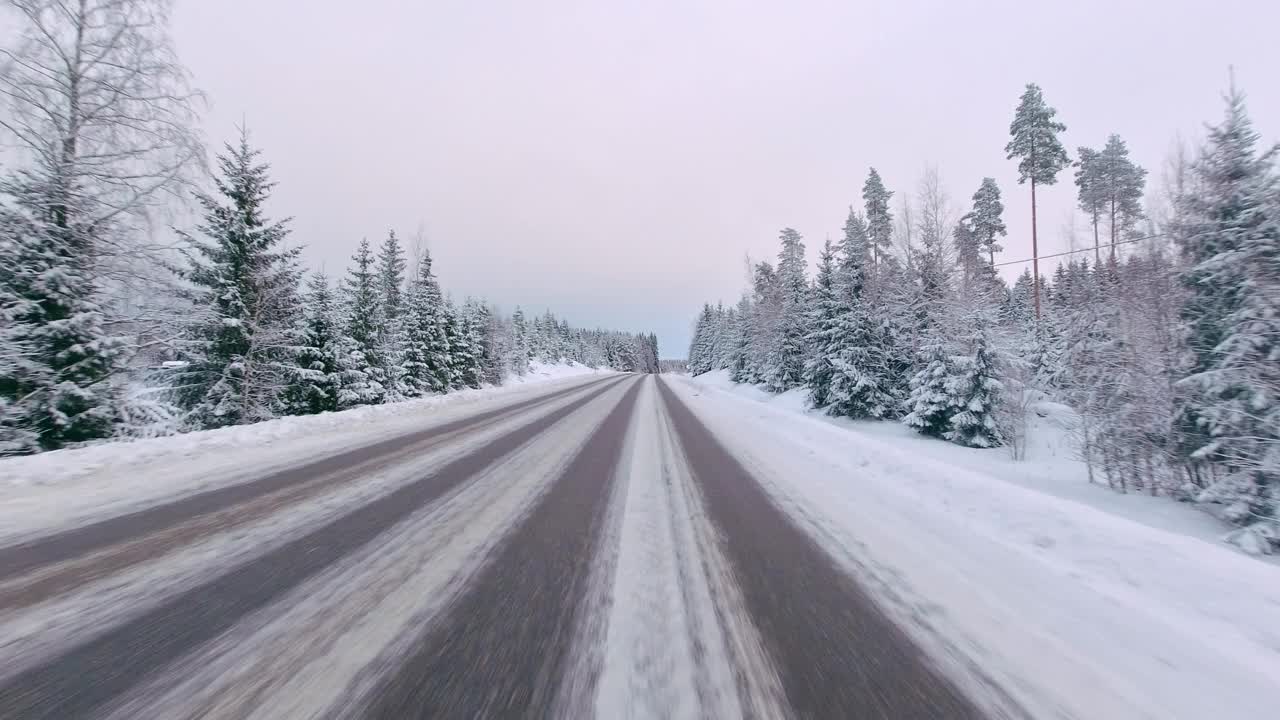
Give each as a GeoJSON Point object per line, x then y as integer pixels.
{"type": "Point", "coordinates": [243, 340]}
{"type": "Point", "coordinates": [1231, 235]}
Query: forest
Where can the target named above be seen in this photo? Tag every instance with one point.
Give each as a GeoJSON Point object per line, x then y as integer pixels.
{"type": "Point", "coordinates": [118, 320]}
{"type": "Point", "coordinates": [1162, 335]}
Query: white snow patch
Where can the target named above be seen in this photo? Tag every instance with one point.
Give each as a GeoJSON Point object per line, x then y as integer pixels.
{"type": "Point", "coordinates": [1074, 605]}
{"type": "Point", "coordinates": [664, 653]}
{"type": "Point", "coordinates": [1051, 466]}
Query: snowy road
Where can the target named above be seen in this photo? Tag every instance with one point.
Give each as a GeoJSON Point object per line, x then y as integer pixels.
{"type": "Point", "coordinates": [594, 551]}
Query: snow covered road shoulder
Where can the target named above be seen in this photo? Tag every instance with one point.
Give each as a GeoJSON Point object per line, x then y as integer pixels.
{"type": "Point", "coordinates": [70, 487]}
{"type": "Point", "coordinates": [625, 547]}
{"type": "Point", "coordinates": [1034, 602]}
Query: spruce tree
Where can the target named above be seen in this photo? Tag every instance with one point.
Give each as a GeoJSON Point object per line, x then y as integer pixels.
{"type": "Point", "coordinates": [362, 298]}
{"type": "Point", "coordinates": [856, 351]}
{"type": "Point", "coordinates": [242, 342]}
{"type": "Point", "coordinates": [1044, 344]}
{"type": "Point", "coordinates": [788, 354]}
{"type": "Point", "coordinates": [718, 336]}
{"type": "Point", "coordinates": [986, 219]}
{"type": "Point", "coordinates": [1230, 234]}
{"type": "Point", "coordinates": [485, 325]}
{"type": "Point", "coordinates": [538, 339]}
{"type": "Point", "coordinates": [929, 403]}
{"type": "Point", "coordinates": [56, 358]}
{"type": "Point", "coordinates": [823, 321]}
{"type": "Point", "coordinates": [975, 391]}
{"type": "Point", "coordinates": [726, 337]}
{"type": "Point", "coordinates": [762, 334]}
{"type": "Point", "coordinates": [1040, 158]}
{"type": "Point", "coordinates": [740, 349]}
{"type": "Point", "coordinates": [391, 267]}
{"type": "Point", "coordinates": [520, 356]}
{"type": "Point", "coordinates": [879, 219]}
{"type": "Point", "coordinates": [1019, 308]}
{"type": "Point", "coordinates": [571, 349]}
{"type": "Point", "coordinates": [391, 332]}
{"type": "Point", "coordinates": [899, 313]}
{"type": "Point", "coordinates": [464, 360]}
{"type": "Point", "coordinates": [320, 376]}
{"type": "Point", "coordinates": [700, 347]}
{"type": "Point", "coordinates": [427, 351]}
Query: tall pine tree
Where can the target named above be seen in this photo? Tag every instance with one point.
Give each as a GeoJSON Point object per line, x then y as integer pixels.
{"type": "Point", "coordinates": [1090, 193]}
{"type": "Point", "coordinates": [1122, 184]}
{"type": "Point", "coordinates": [1040, 158]}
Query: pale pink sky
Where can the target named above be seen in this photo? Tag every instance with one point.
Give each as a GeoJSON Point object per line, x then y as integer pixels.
{"type": "Point", "coordinates": [615, 160]}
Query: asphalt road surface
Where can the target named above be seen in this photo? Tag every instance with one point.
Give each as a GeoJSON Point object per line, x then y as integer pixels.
{"type": "Point", "coordinates": [593, 551]}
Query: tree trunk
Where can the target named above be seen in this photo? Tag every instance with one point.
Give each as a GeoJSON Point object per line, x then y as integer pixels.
{"type": "Point", "coordinates": [1097, 249]}
{"type": "Point", "coordinates": [1152, 483]}
{"type": "Point", "coordinates": [61, 208]}
{"type": "Point", "coordinates": [1087, 446]}
{"type": "Point", "coordinates": [1035, 251]}
{"type": "Point", "coordinates": [1113, 229]}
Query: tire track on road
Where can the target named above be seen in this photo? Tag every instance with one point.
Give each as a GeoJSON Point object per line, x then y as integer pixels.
{"type": "Point", "coordinates": [75, 683]}
{"type": "Point", "coordinates": [836, 652]}
{"type": "Point", "coordinates": [335, 634]}
{"type": "Point", "coordinates": [163, 524]}
{"type": "Point", "coordinates": [500, 650]}
{"type": "Point", "coordinates": [677, 643]}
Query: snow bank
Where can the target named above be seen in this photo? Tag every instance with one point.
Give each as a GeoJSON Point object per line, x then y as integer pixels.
{"type": "Point", "coordinates": [1051, 466]}
{"type": "Point", "coordinates": [1071, 609]}
{"type": "Point", "coordinates": [68, 485]}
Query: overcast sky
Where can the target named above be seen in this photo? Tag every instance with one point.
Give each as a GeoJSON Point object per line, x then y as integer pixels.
{"type": "Point", "coordinates": [615, 160]}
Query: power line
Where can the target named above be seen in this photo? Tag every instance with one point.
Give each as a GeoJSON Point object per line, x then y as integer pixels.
{"type": "Point", "coordinates": [1072, 252]}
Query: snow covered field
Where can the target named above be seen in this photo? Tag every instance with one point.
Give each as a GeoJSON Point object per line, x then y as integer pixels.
{"type": "Point", "coordinates": [69, 486]}
{"type": "Point", "coordinates": [1072, 600]}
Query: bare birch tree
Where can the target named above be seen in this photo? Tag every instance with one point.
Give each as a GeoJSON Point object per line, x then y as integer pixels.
{"type": "Point", "coordinates": [100, 117]}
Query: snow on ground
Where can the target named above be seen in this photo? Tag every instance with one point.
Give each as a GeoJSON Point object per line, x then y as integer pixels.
{"type": "Point", "coordinates": [67, 486]}
{"type": "Point", "coordinates": [1072, 606]}
{"type": "Point", "coordinates": [38, 632]}
{"type": "Point", "coordinates": [302, 655]}
{"type": "Point", "coordinates": [1051, 466]}
{"type": "Point", "coordinates": [665, 652]}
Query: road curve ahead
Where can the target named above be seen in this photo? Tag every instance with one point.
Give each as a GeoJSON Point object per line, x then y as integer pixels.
{"type": "Point", "coordinates": [591, 552]}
